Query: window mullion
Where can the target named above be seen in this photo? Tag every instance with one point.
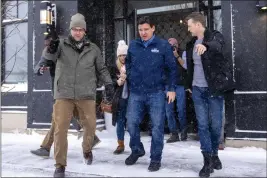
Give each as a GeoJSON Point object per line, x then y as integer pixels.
{"type": "Point", "coordinates": [17, 15]}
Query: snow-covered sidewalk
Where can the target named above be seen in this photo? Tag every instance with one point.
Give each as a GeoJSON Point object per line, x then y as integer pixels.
{"type": "Point", "coordinates": [182, 159]}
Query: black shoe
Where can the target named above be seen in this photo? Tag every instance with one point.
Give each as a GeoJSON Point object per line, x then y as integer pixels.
{"type": "Point", "coordinates": [207, 169]}
{"type": "Point", "coordinates": [88, 158]}
{"type": "Point", "coordinates": [154, 166]}
{"type": "Point", "coordinates": [216, 162]}
{"type": "Point", "coordinates": [173, 138]}
{"type": "Point", "coordinates": [59, 172]}
{"type": "Point", "coordinates": [96, 141]}
{"type": "Point", "coordinates": [184, 135]}
{"type": "Point", "coordinates": [142, 152]}
{"type": "Point", "coordinates": [41, 152]}
{"type": "Point", "coordinates": [134, 157]}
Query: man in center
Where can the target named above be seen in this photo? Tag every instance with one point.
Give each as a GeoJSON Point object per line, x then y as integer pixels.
{"type": "Point", "coordinates": [149, 61]}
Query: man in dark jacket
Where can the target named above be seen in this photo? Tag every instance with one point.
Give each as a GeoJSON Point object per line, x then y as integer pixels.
{"type": "Point", "coordinates": [42, 66]}
{"type": "Point", "coordinates": [180, 98]}
{"type": "Point", "coordinates": [78, 63]}
{"type": "Point", "coordinates": [208, 78]}
{"type": "Point", "coordinates": [146, 62]}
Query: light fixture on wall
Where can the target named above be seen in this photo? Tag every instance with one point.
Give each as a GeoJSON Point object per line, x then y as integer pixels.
{"type": "Point", "coordinates": [47, 16]}
{"type": "Point", "coordinates": [262, 5]}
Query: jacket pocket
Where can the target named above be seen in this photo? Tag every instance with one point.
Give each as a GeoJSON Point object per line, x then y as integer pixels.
{"type": "Point", "coordinates": [56, 83]}
{"type": "Point", "coordinates": [221, 81]}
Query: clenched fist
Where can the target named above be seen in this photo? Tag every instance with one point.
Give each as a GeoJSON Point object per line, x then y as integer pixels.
{"type": "Point", "coordinates": [200, 49]}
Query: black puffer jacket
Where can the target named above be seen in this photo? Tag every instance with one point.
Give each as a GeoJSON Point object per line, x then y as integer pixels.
{"type": "Point", "coordinates": [217, 68]}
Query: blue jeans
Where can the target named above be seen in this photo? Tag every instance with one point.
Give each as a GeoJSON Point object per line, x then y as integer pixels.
{"type": "Point", "coordinates": [155, 103]}
{"type": "Point", "coordinates": [121, 118]}
{"type": "Point", "coordinates": [209, 114]}
{"type": "Point", "coordinates": [181, 109]}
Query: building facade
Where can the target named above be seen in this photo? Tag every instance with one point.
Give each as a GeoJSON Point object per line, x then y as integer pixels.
{"type": "Point", "coordinates": [108, 21]}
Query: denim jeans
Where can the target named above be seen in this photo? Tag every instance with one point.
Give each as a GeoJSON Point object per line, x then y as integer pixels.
{"type": "Point", "coordinates": [181, 109]}
{"type": "Point", "coordinates": [209, 114]}
{"type": "Point", "coordinates": [155, 103]}
{"type": "Point", "coordinates": [121, 118]}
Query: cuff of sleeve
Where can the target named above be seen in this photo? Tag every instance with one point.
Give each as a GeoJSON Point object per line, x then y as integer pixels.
{"type": "Point", "coordinates": [171, 88]}
{"type": "Point", "coordinates": [206, 44]}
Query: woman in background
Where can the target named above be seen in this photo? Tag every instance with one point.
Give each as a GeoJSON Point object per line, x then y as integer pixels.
{"type": "Point", "coordinates": [119, 104]}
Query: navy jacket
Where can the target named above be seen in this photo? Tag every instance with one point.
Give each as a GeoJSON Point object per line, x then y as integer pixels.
{"type": "Point", "coordinates": [147, 66]}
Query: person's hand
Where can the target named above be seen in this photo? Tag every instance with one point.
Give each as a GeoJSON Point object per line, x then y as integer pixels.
{"type": "Point", "coordinates": [123, 70]}
{"type": "Point", "coordinates": [189, 90]}
{"type": "Point", "coordinates": [54, 43]}
{"type": "Point", "coordinates": [175, 53]}
{"type": "Point", "coordinates": [53, 33]}
{"type": "Point", "coordinates": [123, 76]}
{"type": "Point", "coordinates": [53, 46]}
{"type": "Point", "coordinates": [171, 96]}
{"type": "Point", "coordinates": [200, 49]}
{"type": "Point", "coordinates": [120, 81]}
{"type": "Point", "coordinates": [43, 69]}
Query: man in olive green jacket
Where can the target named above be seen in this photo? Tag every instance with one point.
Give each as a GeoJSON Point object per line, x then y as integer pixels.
{"type": "Point", "coordinates": [79, 64]}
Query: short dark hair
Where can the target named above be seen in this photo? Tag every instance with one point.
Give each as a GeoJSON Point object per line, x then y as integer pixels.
{"type": "Point", "coordinates": [197, 17]}
{"type": "Point", "coordinates": [146, 19]}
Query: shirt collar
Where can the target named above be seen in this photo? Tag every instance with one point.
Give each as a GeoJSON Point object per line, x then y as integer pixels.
{"type": "Point", "coordinates": [146, 43]}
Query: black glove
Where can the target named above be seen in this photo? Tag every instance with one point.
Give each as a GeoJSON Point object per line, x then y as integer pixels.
{"type": "Point", "coordinates": [52, 48]}
{"type": "Point", "coordinates": [109, 92]}
{"type": "Point", "coordinates": [53, 33]}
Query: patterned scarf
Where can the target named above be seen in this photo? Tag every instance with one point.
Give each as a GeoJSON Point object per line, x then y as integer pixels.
{"type": "Point", "coordinates": [77, 45]}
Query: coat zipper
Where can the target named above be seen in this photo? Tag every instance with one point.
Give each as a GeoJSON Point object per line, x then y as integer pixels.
{"type": "Point", "coordinates": [75, 79]}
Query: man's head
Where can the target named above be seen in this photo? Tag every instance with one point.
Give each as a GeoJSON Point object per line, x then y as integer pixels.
{"type": "Point", "coordinates": [196, 23]}
{"type": "Point", "coordinates": [173, 42]}
{"type": "Point", "coordinates": [146, 28]}
{"type": "Point", "coordinates": [77, 26]}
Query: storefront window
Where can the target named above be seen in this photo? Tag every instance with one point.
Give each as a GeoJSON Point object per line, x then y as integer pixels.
{"type": "Point", "coordinates": [15, 10]}
{"type": "Point", "coordinates": [16, 50]}
{"type": "Point", "coordinates": [14, 43]}
{"type": "Point", "coordinates": [217, 20]}
{"type": "Point", "coordinates": [214, 2]}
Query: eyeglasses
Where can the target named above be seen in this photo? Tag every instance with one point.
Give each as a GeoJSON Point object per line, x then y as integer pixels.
{"type": "Point", "coordinates": [76, 30]}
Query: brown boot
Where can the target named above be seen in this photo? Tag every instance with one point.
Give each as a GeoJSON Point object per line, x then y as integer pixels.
{"type": "Point", "coordinates": [120, 148]}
